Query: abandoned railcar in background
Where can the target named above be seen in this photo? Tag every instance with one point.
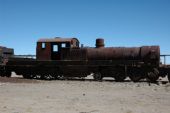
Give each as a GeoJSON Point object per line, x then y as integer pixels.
{"type": "Point", "coordinates": [63, 58]}
{"type": "Point", "coordinates": [5, 54]}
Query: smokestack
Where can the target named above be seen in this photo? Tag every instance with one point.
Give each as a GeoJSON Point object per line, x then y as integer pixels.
{"type": "Point", "coordinates": [99, 42]}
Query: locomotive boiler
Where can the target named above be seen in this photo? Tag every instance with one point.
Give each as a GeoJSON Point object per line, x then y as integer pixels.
{"type": "Point", "coordinates": [146, 54]}
{"type": "Point", "coordinates": [60, 58]}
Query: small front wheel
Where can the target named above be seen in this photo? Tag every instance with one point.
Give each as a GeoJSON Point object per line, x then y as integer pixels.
{"type": "Point", "coordinates": [97, 76]}
{"type": "Point", "coordinates": [119, 77]}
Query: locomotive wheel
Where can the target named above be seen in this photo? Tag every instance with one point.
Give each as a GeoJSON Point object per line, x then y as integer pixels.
{"type": "Point", "coordinates": [37, 76]}
{"type": "Point", "coordinates": [8, 74]}
{"type": "Point", "coordinates": [2, 72]}
{"type": "Point", "coordinates": [42, 77]}
{"type": "Point", "coordinates": [2, 75]}
{"type": "Point", "coordinates": [58, 77]}
{"type": "Point", "coordinates": [97, 76]}
{"type": "Point", "coordinates": [33, 76]}
{"type": "Point", "coordinates": [153, 75]}
{"type": "Point", "coordinates": [46, 77]}
{"type": "Point", "coordinates": [135, 75]}
{"type": "Point", "coordinates": [119, 77]}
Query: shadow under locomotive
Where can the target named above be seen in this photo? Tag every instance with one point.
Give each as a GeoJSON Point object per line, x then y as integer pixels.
{"type": "Point", "coordinates": [158, 82]}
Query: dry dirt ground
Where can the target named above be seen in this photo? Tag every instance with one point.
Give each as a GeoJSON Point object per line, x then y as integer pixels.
{"type": "Point", "coordinates": [19, 95]}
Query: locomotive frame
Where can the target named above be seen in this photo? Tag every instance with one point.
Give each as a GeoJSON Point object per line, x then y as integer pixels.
{"type": "Point", "coordinates": [60, 58]}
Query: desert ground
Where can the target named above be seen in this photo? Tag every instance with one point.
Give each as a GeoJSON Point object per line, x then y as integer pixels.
{"type": "Point", "coordinates": [18, 95]}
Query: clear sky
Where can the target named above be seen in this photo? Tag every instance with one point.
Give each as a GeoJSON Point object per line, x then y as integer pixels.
{"type": "Point", "coordinates": [119, 22]}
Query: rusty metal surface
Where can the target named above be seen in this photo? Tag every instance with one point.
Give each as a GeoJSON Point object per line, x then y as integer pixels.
{"type": "Point", "coordinates": [130, 53]}
{"type": "Point", "coordinates": [145, 53]}
{"type": "Point", "coordinates": [73, 54]}
{"type": "Point", "coordinates": [113, 53]}
{"type": "Point", "coordinates": [48, 53]}
{"type": "Point", "coordinates": [43, 54]}
{"type": "Point", "coordinates": [150, 54]}
{"type": "Point", "coordinates": [5, 53]}
{"type": "Point", "coordinates": [57, 39]}
{"type": "Point", "coordinates": [71, 61]}
{"type": "Point", "coordinates": [99, 42]}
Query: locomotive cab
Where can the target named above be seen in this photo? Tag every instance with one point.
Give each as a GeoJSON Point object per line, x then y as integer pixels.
{"type": "Point", "coordinates": [50, 49]}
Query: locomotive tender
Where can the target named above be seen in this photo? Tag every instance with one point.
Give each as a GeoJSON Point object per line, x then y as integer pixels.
{"type": "Point", "coordinates": [5, 53]}
{"type": "Point", "coordinates": [62, 57]}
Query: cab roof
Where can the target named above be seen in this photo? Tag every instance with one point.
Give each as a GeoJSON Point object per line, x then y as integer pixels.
{"type": "Point", "coordinates": [57, 39]}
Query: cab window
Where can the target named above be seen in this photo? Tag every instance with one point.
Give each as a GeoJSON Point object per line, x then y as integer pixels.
{"type": "Point", "coordinates": [55, 48]}
{"type": "Point", "coordinates": [43, 45]}
{"type": "Point", "coordinates": [63, 45]}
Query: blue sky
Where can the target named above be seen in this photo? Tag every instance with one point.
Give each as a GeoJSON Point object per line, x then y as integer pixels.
{"type": "Point", "coordinates": [119, 22]}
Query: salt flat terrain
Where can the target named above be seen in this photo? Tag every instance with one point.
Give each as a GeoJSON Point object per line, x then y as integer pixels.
{"type": "Point", "coordinates": [19, 95]}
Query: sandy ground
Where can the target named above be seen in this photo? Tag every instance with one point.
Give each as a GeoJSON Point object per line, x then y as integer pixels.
{"type": "Point", "coordinates": [19, 95]}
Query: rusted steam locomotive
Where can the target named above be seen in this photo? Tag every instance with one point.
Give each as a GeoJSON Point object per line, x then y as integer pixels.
{"type": "Point", "coordinates": [63, 58]}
